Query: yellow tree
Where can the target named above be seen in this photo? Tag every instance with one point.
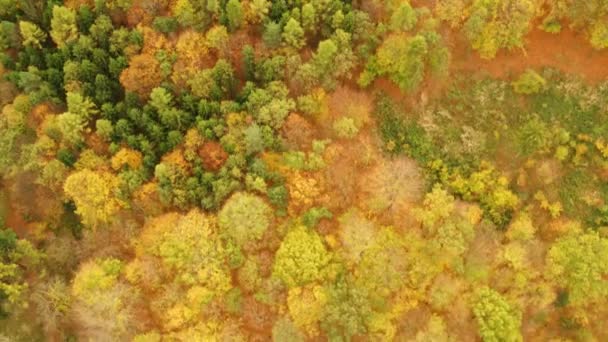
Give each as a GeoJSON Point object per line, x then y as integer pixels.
{"type": "Point", "coordinates": [94, 196]}
{"type": "Point", "coordinates": [180, 258]}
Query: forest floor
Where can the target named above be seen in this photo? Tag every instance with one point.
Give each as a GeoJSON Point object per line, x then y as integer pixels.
{"type": "Point", "coordinates": [567, 51]}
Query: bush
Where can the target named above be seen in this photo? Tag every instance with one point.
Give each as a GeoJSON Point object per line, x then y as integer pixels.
{"type": "Point", "coordinates": [529, 83]}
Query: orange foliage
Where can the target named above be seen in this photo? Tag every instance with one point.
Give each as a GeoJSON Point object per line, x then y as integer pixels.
{"type": "Point", "coordinates": [298, 132]}
{"type": "Point", "coordinates": [126, 157]}
{"type": "Point", "coordinates": [142, 75]}
{"type": "Point", "coordinates": [176, 157]}
{"type": "Point", "coordinates": [39, 113]}
{"type": "Point", "coordinates": [153, 40]}
{"type": "Point", "coordinates": [257, 316]}
{"type": "Point", "coordinates": [213, 155]}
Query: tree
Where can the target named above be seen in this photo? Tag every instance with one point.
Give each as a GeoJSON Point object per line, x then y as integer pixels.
{"type": "Point", "coordinates": [103, 305]}
{"type": "Point", "coordinates": [16, 257]}
{"type": "Point", "coordinates": [301, 259]}
{"type": "Point", "coordinates": [529, 83]}
{"type": "Point", "coordinates": [404, 18]}
{"type": "Point", "coordinates": [71, 127]}
{"type": "Point", "coordinates": [271, 105]}
{"type": "Point", "coordinates": [309, 19]}
{"type": "Point", "coordinates": [142, 75]}
{"type": "Point", "coordinates": [94, 195]}
{"type": "Point", "coordinates": [496, 24]}
{"type": "Point", "coordinates": [63, 26]}
{"type": "Point", "coordinates": [80, 105]}
{"type": "Point", "coordinates": [293, 34]}
{"type": "Point", "coordinates": [249, 62]}
{"type": "Point", "coordinates": [258, 10]}
{"type": "Point", "coordinates": [181, 261]}
{"type": "Point", "coordinates": [497, 319]}
{"type": "Point", "coordinates": [272, 34]}
{"type": "Point", "coordinates": [244, 217]}
{"type": "Point", "coordinates": [580, 264]}
{"type": "Point", "coordinates": [31, 34]}
{"type": "Point", "coordinates": [234, 14]}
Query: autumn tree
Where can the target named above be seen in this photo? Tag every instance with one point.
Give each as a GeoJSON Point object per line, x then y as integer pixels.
{"type": "Point", "coordinates": [142, 75]}
{"type": "Point", "coordinates": [94, 195]}
{"type": "Point", "coordinates": [578, 262]}
{"type": "Point", "coordinates": [63, 25]}
{"type": "Point", "coordinates": [180, 254]}
{"type": "Point", "coordinates": [244, 217]}
{"type": "Point", "coordinates": [405, 59]}
{"type": "Point", "coordinates": [497, 24]}
{"type": "Point", "coordinates": [103, 303]}
{"type": "Point", "coordinates": [16, 257]}
{"type": "Point", "coordinates": [293, 34]}
{"type": "Point", "coordinates": [498, 320]}
{"type": "Point", "coordinates": [31, 34]}
{"type": "Point", "coordinates": [301, 259]}
{"type": "Point", "coordinates": [234, 14]}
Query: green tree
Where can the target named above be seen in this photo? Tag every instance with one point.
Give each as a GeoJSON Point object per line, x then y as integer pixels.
{"type": "Point", "coordinates": [302, 258]}
{"type": "Point", "coordinates": [293, 34]}
{"type": "Point", "coordinates": [31, 34]}
{"type": "Point", "coordinates": [63, 26]}
{"type": "Point", "coordinates": [495, 24]}
{"type": "Point", "coordinates": [529, 83]}
{"type": "Point", "coordinates": [580, 264]}
{"type": "Point", "coordinates": [16, 257]}
{"type": "Point", "coordinates": [244, 217]}
{"type": "Point", "coordinates": [309, 20]}
{"type": "Point", "coordinates": [498, 320]}
{"type": "Point", "coordinates": [234, 14]}
{"type": "Point", "coordinates": [404, 18]}
{"type": "Point", "coordinates": [272, 34]}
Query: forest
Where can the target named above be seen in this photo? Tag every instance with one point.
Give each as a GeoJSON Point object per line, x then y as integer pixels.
{"type": "Point", "coordinates": [304, 170]}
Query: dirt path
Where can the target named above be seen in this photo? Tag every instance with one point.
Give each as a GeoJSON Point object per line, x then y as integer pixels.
{"type": "Point", "coordinates": [567, 51]}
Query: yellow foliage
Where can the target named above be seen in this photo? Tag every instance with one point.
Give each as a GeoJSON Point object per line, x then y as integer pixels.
{"type": "Point", "coordinates": [191, 256]}
{"type": "Point", "coordinates": [306, 307]}
{"type": "Point", "coordinates": [93, 193]}
{"type": "Point", "coordinates": [88, 159]}
{"type": "Point", "coordinates": [303, 191]}
{"type": "Point", "coordinates": [192, 142]}
{"type": "Point", "coordinates": [153, 40]}
{"type": "Point", "coordinates": [126, 157]}
{"type": "Point", "coordinates": [176, 157]}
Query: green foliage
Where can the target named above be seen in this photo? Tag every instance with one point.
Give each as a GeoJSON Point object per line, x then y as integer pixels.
{"type": "Point", "coordinates": [244, 217]}
{"type": "Point", "coordinates": [599, 35]}
{"type": "Point", "coordinates": [495, 24]}
{"type": "Point", "coordinates": [578, 262]}
{"type": "Point", "coordinates": [12, 286]}
{"type": "Point", "coordinates": [529, 83]}
{"type": "Point", "coordinates": [95, 277]}
{"type": "Point", "coordinates": [404, 18]}
{"type": "Point", "coordinates": [485, 185]}
{"type": "Point", "coordinates": [63, 26]}
{"type": "Point", "coordinates": [313, 215]}
{"type": "Point", "coordinates": [272, 34]}
{"type": "Point", "coordinates": [293, 34]}
{"type": "Point", "coordinates": [271, 105]}
{"type": "Point", "coordinates": [301, 259]}
{"type": "Point", "coordinates": [345, 127]}
{"type": "Point", "coordinates": [404, 59]}
{"type": "Point", "coordinates": [234, 14]}
{"type": "Point", "coordinates": [498, 320]}
{"type": "Point", "coordinates": [346, 312]}
{"type": "Point", "coordinates": [401, 135]}
{"type": "Point", "coordinates": [31, 34]}
{"type": "Point", "coordinates": [165, 24]}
